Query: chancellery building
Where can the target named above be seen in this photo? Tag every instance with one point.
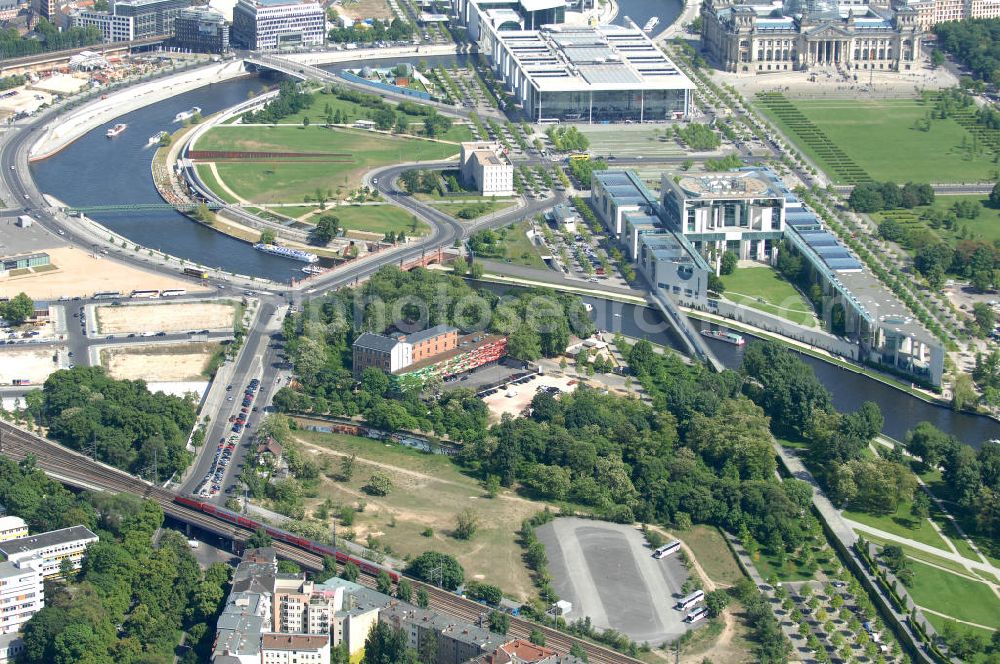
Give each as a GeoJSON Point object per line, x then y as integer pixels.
{"type": "Point", "coordinates": [760, 37]}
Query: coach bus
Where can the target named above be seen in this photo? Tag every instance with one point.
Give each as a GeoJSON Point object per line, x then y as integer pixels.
{"type": "Point", "coordinates": [667, 549]}
{"type": "Point", "coordinates": [173, 292]}
{"type": "Point", "coordinates": [698, 614]}
{"type": "Point", "coordinates": [196, 272]}
{"type": "Point", "coordinates": [21, 381]}
{"type": "Point", "coordinates": [107, 295]}
{"type": "Point", "coordinates": [688, 601]}
{"type": "Point", "coordinates": [145, 293]}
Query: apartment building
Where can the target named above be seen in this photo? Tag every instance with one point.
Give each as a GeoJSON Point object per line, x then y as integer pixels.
{"type": "Point", "coordinates": [51, 548]}
{"type": "Point", "coordinates": [12, 527]}
{"type": "Point", "coordinates": [22, 594]}
{"type": "Point", "coordinates": [295, 649]}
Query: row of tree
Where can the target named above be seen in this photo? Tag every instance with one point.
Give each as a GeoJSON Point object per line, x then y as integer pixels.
{"type": "Point", "coordinates": [46, 38]}
{"type": "Point", "coordinates": [378, 30]}
{"type": "Point", "coordinates": [878, 196]}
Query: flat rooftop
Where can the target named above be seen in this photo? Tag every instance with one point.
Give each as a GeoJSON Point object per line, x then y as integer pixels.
{"type": "Point", "coordinates": [726, 185]}
{"type": "Point", "coordinates": [564, 58]}
{"type": "Point", "coordinates": [45, 540]}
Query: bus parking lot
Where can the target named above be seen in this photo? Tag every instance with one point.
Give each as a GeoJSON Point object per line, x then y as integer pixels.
{"type": "Point", "coordinates": [608, 573]}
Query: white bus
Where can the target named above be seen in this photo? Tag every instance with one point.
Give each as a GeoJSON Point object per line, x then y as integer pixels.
{"type": "Point", "coordinates": [175, 292]}
{"type": "Point", "coordinates": [145, 293]}
{"type": "Point", "coordinates": [667, 549]}
{"type": "Point", "coordinates": [687, 602]}
{"type": "Point", "coordinates": [698, 614]}
{"type": "Point", "coordinates": [107, 295]}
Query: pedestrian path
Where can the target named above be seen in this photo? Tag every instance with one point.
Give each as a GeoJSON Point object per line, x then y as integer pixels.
{"type": "Point", "coordinates": [926, 548]}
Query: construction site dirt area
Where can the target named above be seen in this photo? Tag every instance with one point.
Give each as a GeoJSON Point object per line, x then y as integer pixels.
{"type": "Point", "coordinates": [34, 365]}
{"type": "Point", "coordinates": [173, 317]}
{"type": "Point", "coordinates": [514, 399]}
{"type": "Point", "coordinates": [166, 363]}
{"type": "Point", "coordinates": [81, 274]}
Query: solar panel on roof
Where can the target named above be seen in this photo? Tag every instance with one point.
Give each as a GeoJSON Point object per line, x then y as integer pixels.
{"type": "Point", "coordinates": [818, 238]}
{"type": "Point", "coordinates": [844, 264]}
{"type": "Point", "coordinates": [831, 252]}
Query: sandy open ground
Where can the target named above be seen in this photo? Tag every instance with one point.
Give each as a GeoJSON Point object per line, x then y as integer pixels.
{"type": "Point", "coordinates": [80, 274]}
{"type": "Point", "coordinates": [500, 403]}
{"type": "Point", "coordinates": [174, 317]}
{"type": "Point", "coordinates": [35, 364]}
{"type": "Point", "coordinates": [159, 362]}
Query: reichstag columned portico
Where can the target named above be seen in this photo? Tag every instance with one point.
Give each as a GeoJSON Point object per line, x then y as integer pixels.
{"type": "Point", "coordinates": [770, 37]}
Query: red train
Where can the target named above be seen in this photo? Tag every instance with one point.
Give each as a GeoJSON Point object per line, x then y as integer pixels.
{"type": "Point", "coordinates": [366, 566]}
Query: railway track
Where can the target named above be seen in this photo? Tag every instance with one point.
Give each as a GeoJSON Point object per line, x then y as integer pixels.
{"type": "Point", "coordinates": [81, 471]}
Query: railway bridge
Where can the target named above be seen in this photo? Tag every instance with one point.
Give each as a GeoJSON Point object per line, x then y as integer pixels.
{"type": "Point", "coordinates": [79, 471]}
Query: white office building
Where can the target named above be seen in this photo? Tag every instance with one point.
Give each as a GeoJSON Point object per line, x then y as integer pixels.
{"type": "Point", "coordinates": [51, 548]}
{"type": "Point", "coordinates": [487, 168]}
{"type": "Point", "coordinates": [114, 28]}
{"type": "Point", "coordinates": [742, 212]}
{"type": "Point", "coordinates": [271, 24]}
{"type": "Point", "coordinates": [11, 647]}
{"type": "Point", "coordinates": [21, 594]}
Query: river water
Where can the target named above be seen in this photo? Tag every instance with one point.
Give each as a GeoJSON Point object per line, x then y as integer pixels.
{"type": "Point", "coordinates": [848, 389]}
{"type": "Point", "coordinates": [97, 171]}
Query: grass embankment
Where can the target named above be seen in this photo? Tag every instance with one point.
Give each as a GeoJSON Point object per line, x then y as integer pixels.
{"type": "Point", "coordinates": [289, 180]}
{"type": "Point", "coordinates": [874, 133]}
{"type": "Point", "coordinates": [428, 492]}
{"type": "Point", "coordinates": [764, 289]}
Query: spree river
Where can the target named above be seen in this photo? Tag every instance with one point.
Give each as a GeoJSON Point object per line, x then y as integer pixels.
{"type": "Point", "coordinates": [97, 171]}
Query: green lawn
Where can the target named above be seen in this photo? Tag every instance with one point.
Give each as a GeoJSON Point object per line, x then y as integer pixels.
{"type": "Point", "coordinates": [901, 523]}
{"type": "Point", "coordinates": [378, 219]}
{"type": "Point", "coordinates": [294, 211]}
{"type": "Point", "coordinates": [518, 248]}
{"type": "Point", "coordinates": [208, 179]}
{"type": "Point", "coordinates": [985, 227]}
{"type": "Point", "coordinates": [763, 288]}
{"type": "Point", "coordinates": [953, 595]}
{"type": "Point", "coordinates": [317, 116]}
{"type": "Point", "coordinates": [876, 133]}
{"type": "Point", "coordinates": [288, 181]}
{"type": "Point", "coordinates": [488, 207]}
{"type": "Point", "coordinates": [920, 555]}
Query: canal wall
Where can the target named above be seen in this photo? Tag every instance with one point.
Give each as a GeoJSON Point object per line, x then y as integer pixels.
{"type": "Point", "coordinates": [65, 128]}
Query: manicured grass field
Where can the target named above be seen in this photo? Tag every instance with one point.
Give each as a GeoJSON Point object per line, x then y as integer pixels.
{"type": "Point", "coordinates": [288, 181]}
{"type": "Point", "coordinates": [875, 134]}
{"type": "Point", "coordinates": [901, 523]}
{"type": "Point", "coordinates": [953, 595]}
{"type": "Point", "coordinates": [488, 207]}
{"type": "Point", "coordinates": [208, 178]}
{"type": "Point", "coordinates": [713, 554]}
{"type": "Point", "coordinates": [428, 492]}
{"type": "Point", "coordinates": [518, 248]}
{"type": "Point", "coordinates": [749, 285]}
{"type": "Point", "coordinates": [378, 219]}
{"type": "Point", "coordinates": [294, 211]}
